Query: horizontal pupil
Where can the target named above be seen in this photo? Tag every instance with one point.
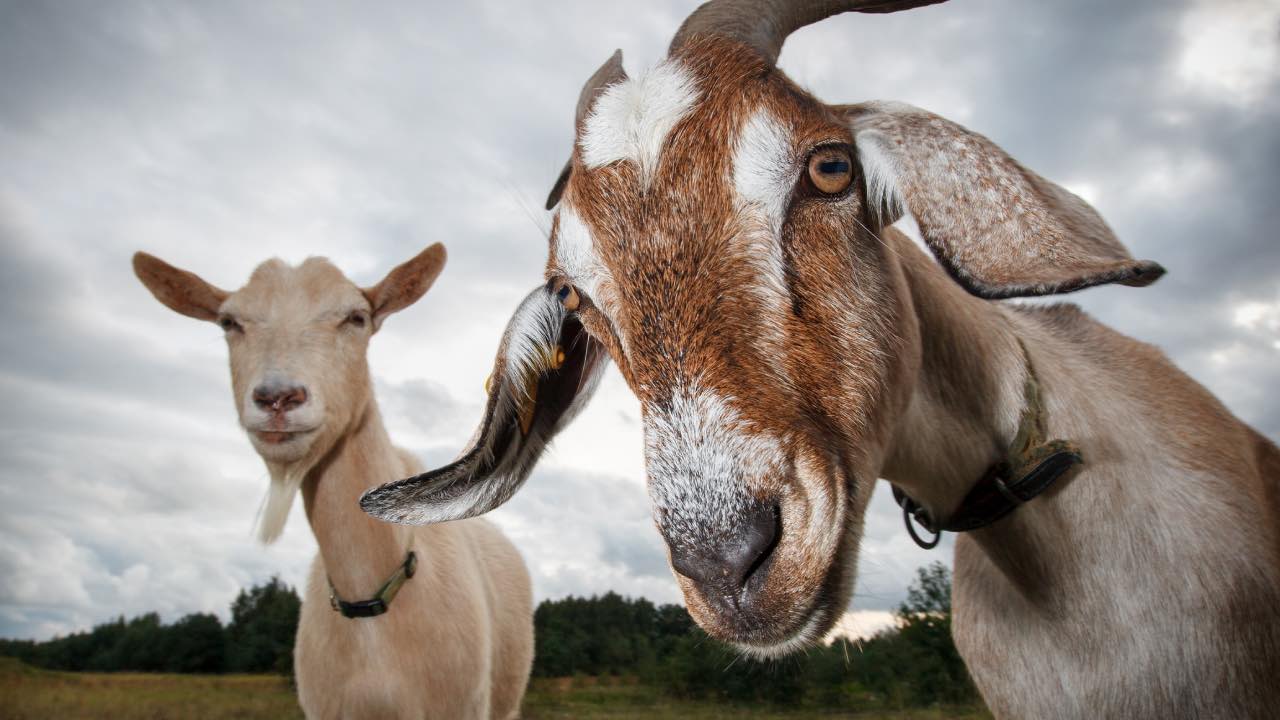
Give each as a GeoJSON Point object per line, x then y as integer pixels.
{"type": "Point", "coordinates": [563, 293]}
{"type": "Point", "coordinates": [833, 167]}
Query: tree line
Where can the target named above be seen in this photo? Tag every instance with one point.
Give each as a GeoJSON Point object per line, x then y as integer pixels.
{"type": "Point", "coordinates": [913, 664]}
{"type": "Point", "coordinates": [258, 639]}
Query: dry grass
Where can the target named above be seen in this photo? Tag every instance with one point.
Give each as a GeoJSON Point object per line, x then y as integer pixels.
{"type": "Point", "coordinates": [30, 694]}
{"type": "Point", "coordinates": [621, 699]}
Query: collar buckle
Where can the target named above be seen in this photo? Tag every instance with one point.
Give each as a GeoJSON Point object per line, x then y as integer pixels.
{"type": "Point", "coordinates": [998, 482]}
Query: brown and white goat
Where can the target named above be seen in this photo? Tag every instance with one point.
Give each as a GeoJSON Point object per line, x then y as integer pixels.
{"type": "Point", "coordinates": [724, 238]}
{"type": "Point", "coordinates": [457, 639]}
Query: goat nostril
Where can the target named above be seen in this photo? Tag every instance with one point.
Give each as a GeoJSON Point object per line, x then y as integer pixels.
{"type": "Point", "coordinates": [262, 397]}
{"type": "Point", "coordinates": [728, 564]}
{"type": "Point", "coordinates": [278, 398]}
{"type": "Point", "coordinates": [297, 396]}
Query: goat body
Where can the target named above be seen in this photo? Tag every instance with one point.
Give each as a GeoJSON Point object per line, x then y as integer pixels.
{"type": "Point", "coordinates": [1146, 584]}
{"type": "Point", "coordinates": [457, 642]}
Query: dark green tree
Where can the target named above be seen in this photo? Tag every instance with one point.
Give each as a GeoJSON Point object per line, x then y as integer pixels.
{"type": "Point", "coordinates": [197, 644]}
{"type": "Point", "coordinates": [935, 671]}
{"type": "Point", "coordinates": [264, 622]}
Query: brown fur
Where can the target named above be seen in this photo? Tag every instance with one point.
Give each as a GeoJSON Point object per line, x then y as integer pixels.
{"type": "Point", "coordinates": [787, 349]}
{"type": "Point", "coordinates": [1146, 584]}
{"type": "Point", "coordinates": [675, 251]}
{"type": "Point", "coordinates": [876, 363]}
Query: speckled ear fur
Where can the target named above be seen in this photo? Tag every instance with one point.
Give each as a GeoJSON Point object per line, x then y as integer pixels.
{"type": "Point", "coordinates": [998, 228]}
{"type": "Point", "coordinates": [534, 392]}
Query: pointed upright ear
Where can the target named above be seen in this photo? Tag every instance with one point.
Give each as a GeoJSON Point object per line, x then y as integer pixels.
{"type": "Point", "coordinates": [181, 291]}
{"type": "Point", "coordinates": [546, 370]}
{"type": "Point", "coordinates": [405, 284]}
{"type": "Point", "coordinates": [998, 228]}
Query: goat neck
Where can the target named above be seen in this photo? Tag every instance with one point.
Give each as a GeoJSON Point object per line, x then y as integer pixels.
{"type": "Point", "coordinates": [969, 382]}
{"type": "Point", "coordinates": [359, 553]}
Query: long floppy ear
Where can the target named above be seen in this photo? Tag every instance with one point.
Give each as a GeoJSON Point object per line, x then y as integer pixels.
{"type": "Point", "coordinates": [998, 228]}
{"type": "Point", "coordinates": [180, 290]}
{"type": "Point", "coordinates": [405, 284]}
{"type": "Point", "coordinates": [546, 370]}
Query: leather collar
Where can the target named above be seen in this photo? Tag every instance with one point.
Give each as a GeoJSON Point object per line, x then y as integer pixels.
{"type": "Point", "coordinates": [1030, 466]}
{"type": "Point", "coordinates": [381, 601]}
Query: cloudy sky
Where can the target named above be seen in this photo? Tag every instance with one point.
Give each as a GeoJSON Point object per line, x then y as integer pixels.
{"type": "Point", "coordinates": [216, 135]}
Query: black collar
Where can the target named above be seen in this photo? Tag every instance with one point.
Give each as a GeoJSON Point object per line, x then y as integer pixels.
{"type": "Point", "coordinates": [381, 601]}
{"type": "Point", "coordinates": [1030, 466]}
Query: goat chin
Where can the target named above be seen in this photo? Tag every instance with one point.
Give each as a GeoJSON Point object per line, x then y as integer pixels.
{"type": "Point", "coordinates": [274, 511]}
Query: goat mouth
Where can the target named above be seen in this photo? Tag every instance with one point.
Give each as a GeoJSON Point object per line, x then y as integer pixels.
{"type": "Point", "coordinates": [808, 633]}
{"type": "Point", "coordinates": [278, 437]}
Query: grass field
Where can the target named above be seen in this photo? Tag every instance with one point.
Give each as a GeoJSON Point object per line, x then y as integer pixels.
{"type": "Point", "coordinates": [30, 694]}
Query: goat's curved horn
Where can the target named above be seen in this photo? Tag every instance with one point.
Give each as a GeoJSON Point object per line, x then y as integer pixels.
{"type": "Point", "coordinates": [765, 24]}
{"type": "Point", "coordinates": [609, 73]}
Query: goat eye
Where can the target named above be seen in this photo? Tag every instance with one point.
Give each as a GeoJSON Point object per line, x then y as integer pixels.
{"type": "Point", "coordinates": [568, 297]}
{"type": "Point", "coordinates": [831, 170]}
{"type": "Point", "coordinates": [356, 318]}
{"type": "Point", "coordinates": [229, 324]}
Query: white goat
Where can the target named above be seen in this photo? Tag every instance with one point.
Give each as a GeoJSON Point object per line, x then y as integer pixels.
{"type": "Point", "coordinates": [456, 639]}
{"type": "Point", "coordinates": [723, 237]}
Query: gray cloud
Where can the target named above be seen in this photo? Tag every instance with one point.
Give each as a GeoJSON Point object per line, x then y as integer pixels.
{"type": "Point", "coordinates": [217, 135]}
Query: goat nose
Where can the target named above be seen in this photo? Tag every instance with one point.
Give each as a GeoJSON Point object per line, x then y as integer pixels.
{"type": "Point", "coordinates": [279, 398]}
{"type": "Point", "coordinates": [726, 565]}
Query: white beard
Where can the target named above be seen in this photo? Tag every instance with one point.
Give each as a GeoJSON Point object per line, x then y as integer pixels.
{"type": "Point", "coordinates": [274, 511]}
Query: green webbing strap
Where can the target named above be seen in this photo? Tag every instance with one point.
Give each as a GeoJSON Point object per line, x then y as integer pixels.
{"type": "Point", "coordinates": [381, 601]}
{"type": "Point", "coordinates": [1030, 466]}
{"type": "Point", "coordinates": [1029, 449]}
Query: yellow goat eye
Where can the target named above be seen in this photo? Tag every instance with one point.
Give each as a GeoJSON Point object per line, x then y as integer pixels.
{"type": "Point", "coordinates": [831, 170]}
{"type": "Point", "coordinates": [568, 297]}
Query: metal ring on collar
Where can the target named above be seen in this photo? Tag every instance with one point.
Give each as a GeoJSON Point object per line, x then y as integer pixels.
{"type": "Point", "coordinates": [910, 519]}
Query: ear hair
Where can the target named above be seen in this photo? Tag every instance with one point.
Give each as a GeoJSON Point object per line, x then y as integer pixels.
{"type": "Point", "coordinates": [406, 283]}
{"type": "Point", "coordinates": [180, 290]}
{"type": "Point", "coordinates": [879, 173]}
{"type": "Point", "coordinates": [998, 228]}
{"type": "Point", "coordinates": [533, 394]}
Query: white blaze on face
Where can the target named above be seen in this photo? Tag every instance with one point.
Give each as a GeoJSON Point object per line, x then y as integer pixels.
{"type": "Point", "coordinates": [764, 172]}
{"type": "Point", "coordinates": [631, 119]}
{"type": "Point", "coordinates": [576, 254]}
{"type": "Point", "coordinates": [764, 168]}
{"type": "Point", "coordinates": [702, 458]}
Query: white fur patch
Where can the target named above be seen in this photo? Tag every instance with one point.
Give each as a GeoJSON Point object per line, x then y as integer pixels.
{"type": "Point", "coordinates": [764, 167]}
{"type": "Point", "coordinates": [275, 507]}
{"type": "Point", "coordinates": [576, 254]}
{"type": "Point", "coordinates": [881, 173]}
{"type": "Point", "coordinates": [534, 332]}
{"type": "Point", "coordinates": [764, 171]}
{"type": "Point", "coordinates": [701, 457]}
{"type": "Point", "coordinates": [631, 119]}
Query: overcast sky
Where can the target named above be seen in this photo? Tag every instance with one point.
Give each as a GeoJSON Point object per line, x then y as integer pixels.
{"type": "Point", "coordinates": [216, 135]}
